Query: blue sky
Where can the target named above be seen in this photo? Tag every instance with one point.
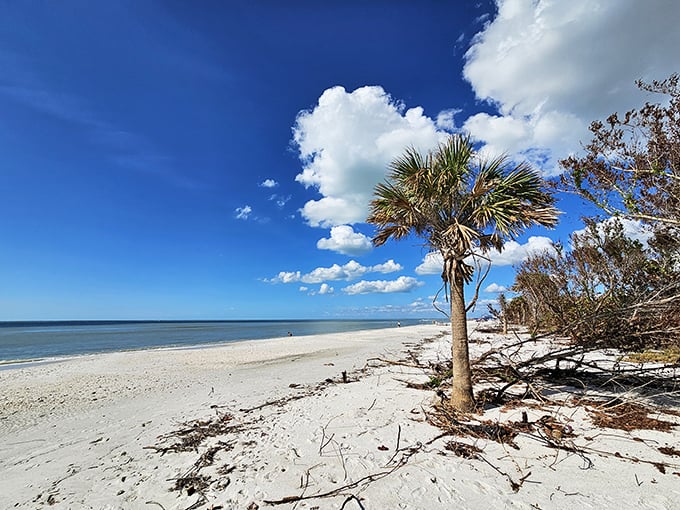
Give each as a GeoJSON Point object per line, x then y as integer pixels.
{"type": "Point", "coordinates": [214, 160]}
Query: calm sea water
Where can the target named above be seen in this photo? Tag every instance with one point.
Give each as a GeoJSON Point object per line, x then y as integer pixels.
{"type": "Point", "coordinates": [24, 341]}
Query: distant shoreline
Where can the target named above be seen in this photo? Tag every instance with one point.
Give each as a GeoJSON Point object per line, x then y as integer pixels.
{"type": "Point", "coordinates": [107, 322]}
{"type": "Point", "coordinates": [41, 342]}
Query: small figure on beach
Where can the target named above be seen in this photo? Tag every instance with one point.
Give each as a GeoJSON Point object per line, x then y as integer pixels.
{"type": "Point", "coordinates": [290, 334]}
{"type": "Point", "coordinates": [398, 324]}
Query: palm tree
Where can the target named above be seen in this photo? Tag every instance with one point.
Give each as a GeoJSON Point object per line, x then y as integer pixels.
{"type": "Point", "coordinates": [461, 206]}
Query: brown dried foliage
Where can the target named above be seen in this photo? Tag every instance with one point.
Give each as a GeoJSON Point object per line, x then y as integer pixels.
{"type": "Point", "coordinates": [668, 450]}
{"type": "Point", "coordinates": [195, 433]}
{"type": "Point", "coordinates": [626, 416]}
{"type": "Point", "coordinates": [464, 450]}
{"type": "Point", "coordinates": [609, 290]}
{"type": "Point", "coordinates": [632, 164]}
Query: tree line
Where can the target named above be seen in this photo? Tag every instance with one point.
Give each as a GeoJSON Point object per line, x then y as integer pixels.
{"type": "Point", "coordinates": [607, 289]}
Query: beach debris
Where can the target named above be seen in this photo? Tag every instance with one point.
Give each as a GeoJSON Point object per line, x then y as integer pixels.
{"type": "Point", "coordinates": [191, 484]}
{"type": "Point", "coordinates": [155, 503]}
{"type": "Point", "coordinates": [668, 450]}
{"type": "Point", "coordinates": [352, 497]}
{"type": "Point", "coordinates": [193, 434]}
{"type": "Point", "coordinates": [464, 450]}
{"type": "Point", "coordinates": [214, 435]}
{"type": "Point", "coordinates": [552, 428]}
{"type": "Point", "coordinates": [505, 368]}
{"type": "Point", "coordinates": [279, 402]}
{"type": "Point", "coordinates": [542, 392]}
{"type": "Point", "coordinates": [218, 434]}
{"type": "Point", "coordinates": [358, 483]}
{"type": "Point", "coordinates": [617, 414]}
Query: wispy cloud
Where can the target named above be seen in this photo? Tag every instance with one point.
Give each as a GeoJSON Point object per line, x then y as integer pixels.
{"type": "Point", "coordinates": [418, 308]}
{"type": "Point", "coordinates": [243, 213]}
{"type": "Point", "coordinates": [55, 104]}
{"type": "Point", "coordinates": [280, 200]}
{"type": "Point", "coordinates": [125, 148]}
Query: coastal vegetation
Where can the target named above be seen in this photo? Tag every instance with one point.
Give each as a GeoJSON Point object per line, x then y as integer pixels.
{"type": "Point", "coordinates": [462, 205]}
{"type": "Point", "coordinates": [610, 289]}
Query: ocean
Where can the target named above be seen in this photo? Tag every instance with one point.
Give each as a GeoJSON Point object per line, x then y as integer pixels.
{"type": "Point", "coordinates": [36, 341]}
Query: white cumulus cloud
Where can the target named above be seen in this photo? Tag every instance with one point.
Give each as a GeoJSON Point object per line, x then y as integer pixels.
{"type": "Point", "coordinates": [636, 230]}
{"type": "Point", "coordinates": [512, 253]}
{"type": "Point", "coordinates": [345, 144]}
{"type": "Point", "coordinates": [401, 284]}
{"type": "Point", "coordinates": [269, 183]}
{"type": "Point", "coordinates": [325, 289]}
{"type": "Point", "coordinates": [551, 67]}
{"type": "Point", "coordinates": [388, 267]}
{"type": "Point", "coordinates": [335, 272]}
{"type": "Point", "coordinates": [433, 263]}
{"type": "Point", "coordinates": [286, 277]}
{"type": "Point", "coordinates": [494, 287]}
{"type": "Point", "coordinates": [345, 240]}
{"type": "Point", "coordinates": [349, 271]}
{"type": "Point", "coordinates": [445, 119]}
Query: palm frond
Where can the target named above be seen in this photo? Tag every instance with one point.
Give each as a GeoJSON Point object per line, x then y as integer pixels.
{"type": "Point", "coordinates": [457, 203]}
{"type": "Point", "coordinates": [491, 241]}
{"type": "Point", "coordinates": [451, 164]}
{"type": "Point", "coordinates": [393, 213]}
{"type": "Point", "coordinates": [403, 167]}
{"type": "Point", "coordinates": [516, 200]}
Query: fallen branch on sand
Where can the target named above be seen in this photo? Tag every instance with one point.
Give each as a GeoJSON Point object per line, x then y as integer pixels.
{"type": "Point", "coordinates": [362, 481]}
{"type": "Point", "coordinates": [195, 433]}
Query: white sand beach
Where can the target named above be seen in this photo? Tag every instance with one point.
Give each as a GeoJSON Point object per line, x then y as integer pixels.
{"type": "Point", "coordinates": [114, 431]}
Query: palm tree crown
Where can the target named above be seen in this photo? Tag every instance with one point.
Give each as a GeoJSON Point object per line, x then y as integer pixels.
{"type": "Point", "coordinates": [457, 203]}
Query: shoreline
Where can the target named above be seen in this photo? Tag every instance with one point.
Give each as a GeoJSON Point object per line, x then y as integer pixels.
{"type": "Point", "coordinates": [117, 375]}
{"type": "Point", "coordinates": [278, 422]}
{"type": "Point", "coordinates": [213, 337]}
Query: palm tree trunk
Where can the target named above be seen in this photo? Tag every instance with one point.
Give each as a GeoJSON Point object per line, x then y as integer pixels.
{"type": "Point", "coordinates": [461, 388]}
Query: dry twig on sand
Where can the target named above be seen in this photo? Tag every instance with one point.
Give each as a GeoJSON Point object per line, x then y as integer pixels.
{"type": "Point", "coordinates": [407, 454]}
